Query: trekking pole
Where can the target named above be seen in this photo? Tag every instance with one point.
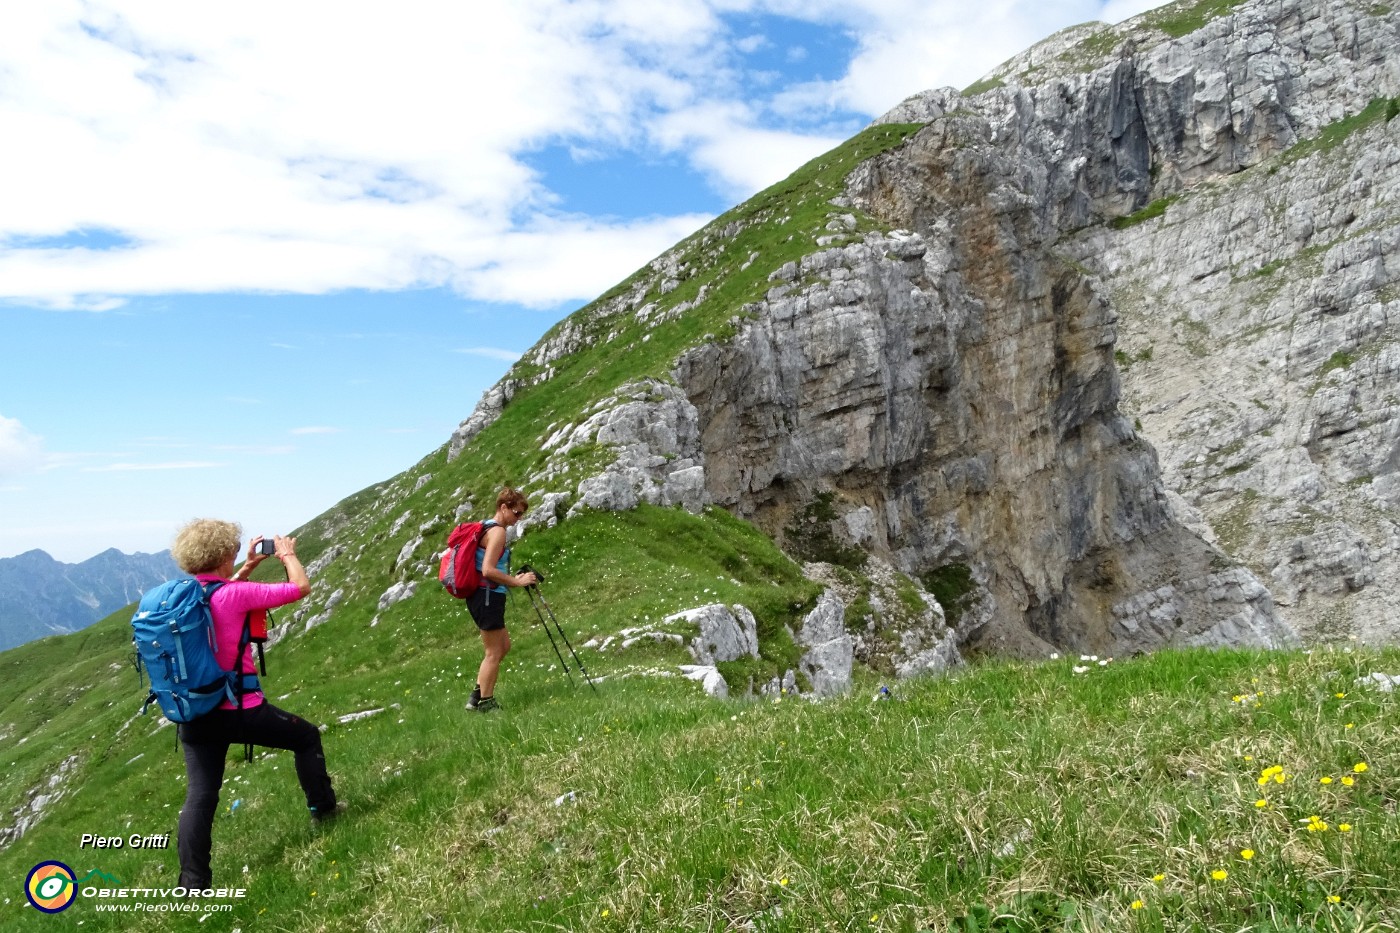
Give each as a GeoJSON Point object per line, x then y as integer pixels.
{"type": "Point", "coordinates": [545, 602]}
{"type": "Point", "coordinates": [552, 643]}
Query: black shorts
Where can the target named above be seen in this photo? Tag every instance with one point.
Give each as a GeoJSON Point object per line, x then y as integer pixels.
{"type": "Point", "coordinates": [488, 609]}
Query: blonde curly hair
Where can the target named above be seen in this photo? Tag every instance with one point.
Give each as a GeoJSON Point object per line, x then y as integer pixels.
{"type": "Point", "coordinates": [203, 545]}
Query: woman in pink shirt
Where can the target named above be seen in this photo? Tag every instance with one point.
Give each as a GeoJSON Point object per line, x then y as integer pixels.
{"type": "Point", "coordinates": [207, 549]}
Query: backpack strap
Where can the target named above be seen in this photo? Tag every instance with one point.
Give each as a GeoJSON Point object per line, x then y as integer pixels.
{"type": "Point", "coordinates": [241, 680]}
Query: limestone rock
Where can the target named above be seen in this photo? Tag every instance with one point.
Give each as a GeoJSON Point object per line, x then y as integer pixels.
{"type": "Point", "coordinates": [315, 568]}
{"type": "Point", "coordinates": [711, 680]}
{"type": "Point", "coordinates": [726, 633]}
{"type": "Point", "coordinates": [397, 593]}
{"type": "Point", "coordinates": [652, 429]}
{"type": "Point", "coordinates": [486, 412]}
{"type": "Point", "coordinates": [829, 656]}
{"type": "Point", "coordinates": [904, 630]}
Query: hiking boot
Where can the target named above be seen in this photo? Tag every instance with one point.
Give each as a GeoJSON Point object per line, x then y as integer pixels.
{"type": "Point", "coordinates": [475, 699]}
{"type": "Point", "coordinates": [320, 817]}
{"type": "Point", "coordinates": [487, 705]}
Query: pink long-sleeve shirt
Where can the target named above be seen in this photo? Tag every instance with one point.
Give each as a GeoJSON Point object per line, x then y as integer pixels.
{"type": "Point", "coordinates": [229, 605]}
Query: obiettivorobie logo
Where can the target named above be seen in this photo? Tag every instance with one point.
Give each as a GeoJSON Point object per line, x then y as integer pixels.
{"type": "Point", "coordinates": [52, 887]}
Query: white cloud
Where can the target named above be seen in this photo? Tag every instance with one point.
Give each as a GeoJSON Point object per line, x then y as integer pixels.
{"type": "Point", "coordinates": [723, 140]}
{"type": "Point", "coordinates": [143, 467]}
{"type": "Point", "coordinates": [229, 158]}
{"type": "Point", "coordinates": [295, 148]}
{"type": "Point", "coordinates": [495, 353]}
{"type": "Point", "coordinates": [314, 429]}
{"type": "Point", "coordinates": [20, 450]}
{"type": "Point", "coordinates": [750, 44]}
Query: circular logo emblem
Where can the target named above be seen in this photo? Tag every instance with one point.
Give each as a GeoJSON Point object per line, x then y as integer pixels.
{"type": "Point", "coordinates": [50, 887]}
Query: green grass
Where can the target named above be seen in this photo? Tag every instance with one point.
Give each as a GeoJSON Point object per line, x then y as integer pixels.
{"type": "Point", "coordinates": [982, 86]}
{"type": "Point", "coordinates": [1339, 131]}
{"type": "Point", "coordinates": [1021, 790]}
{"type": "Point", "coordinates": [1156, 209]}
{"type": "Point", "coordinates": [1092, 52]}
{"type": "Point", "coordinates": [1182, 19]}
{"type": "Point", "coordinates": [1339, 360]}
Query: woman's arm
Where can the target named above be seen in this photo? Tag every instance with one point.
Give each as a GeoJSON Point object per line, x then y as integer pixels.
{"type": "Point", "coordinates": [250, 563]}
{"type": "Point", "coordinates": [287, 554]}
{"type": "Point", "coordinates": [495, 544]}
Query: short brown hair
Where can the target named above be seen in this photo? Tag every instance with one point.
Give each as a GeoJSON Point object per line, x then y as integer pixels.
{"type": "Point", "coordinates": [204, 544]}
{"type": "Point", "coordinates": [512, 499]}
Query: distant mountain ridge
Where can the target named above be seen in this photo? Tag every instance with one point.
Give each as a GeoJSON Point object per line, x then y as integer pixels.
{"type": "Point", "coordinates": [41, 596]}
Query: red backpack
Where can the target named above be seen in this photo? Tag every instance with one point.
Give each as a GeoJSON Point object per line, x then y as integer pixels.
{"type": "Point", "coordinates": [458, 571]}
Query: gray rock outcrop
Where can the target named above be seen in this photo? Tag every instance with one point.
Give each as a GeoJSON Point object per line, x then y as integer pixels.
{"type": "Point", "coordinates": [829, 657]}
{"type": "Point", "coordinates": [653, 434]}
{"type": "Point", "coordinates": [726, 633]}
{"type": "Point", "coordinates": [1258, 334]}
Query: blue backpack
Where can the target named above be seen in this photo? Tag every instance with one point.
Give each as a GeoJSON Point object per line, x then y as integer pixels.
{"type": "Point", "coordinates": [173, 631]}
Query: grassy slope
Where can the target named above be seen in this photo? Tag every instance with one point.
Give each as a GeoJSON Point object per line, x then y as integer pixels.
{"type": "Point", "coordinates": [1025, 788]}
{"type": "Point", "coordinates": [691, 813]}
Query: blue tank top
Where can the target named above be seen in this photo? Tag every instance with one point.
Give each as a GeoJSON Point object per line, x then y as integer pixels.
{"type": "Point", "coordinates": [503, 565]}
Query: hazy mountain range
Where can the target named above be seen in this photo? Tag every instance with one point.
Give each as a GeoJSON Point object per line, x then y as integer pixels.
{"type": "Point", "coordinates": [41, 596]}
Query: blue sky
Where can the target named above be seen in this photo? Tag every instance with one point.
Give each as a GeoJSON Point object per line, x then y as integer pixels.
{"type": "Point", "coordinates": [256, 257]}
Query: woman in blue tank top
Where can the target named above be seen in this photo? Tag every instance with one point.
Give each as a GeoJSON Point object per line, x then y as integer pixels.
{"type": "Point", "coordinates": [488, 604]}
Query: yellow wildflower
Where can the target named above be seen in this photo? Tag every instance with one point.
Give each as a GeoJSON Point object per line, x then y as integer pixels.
{"type": "Point", "coordinates": [1351, 725]}
{"type": "Point", "coordinates": [1220, 874]}
{"type": "Point", "coordinates": [1246, 854]}
{"type": "Point", "coordinates": [1333, 899]}
{"type": "Point", "coordinates": [1343, 827]}
{"type": "Point", "coordinates": [1359, 767]}
{"type": "Point", "coordinates": [1261, 803]}
{"type": "Point", "coordinates": [1159, 878]}
{"type": "Point", "coordinates": [1348, 781]}
{"type": "Point", "coordinates": [1136, 905]}
{"type": "Point", "coordinates": [1326, 780]}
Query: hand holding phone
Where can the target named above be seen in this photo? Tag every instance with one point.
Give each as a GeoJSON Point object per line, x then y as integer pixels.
{"type": "Point", "coordinates": [267, 546]}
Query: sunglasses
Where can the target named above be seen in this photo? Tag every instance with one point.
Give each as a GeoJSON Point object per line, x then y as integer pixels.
{"type": "Point", "coordinates": [518, 513]}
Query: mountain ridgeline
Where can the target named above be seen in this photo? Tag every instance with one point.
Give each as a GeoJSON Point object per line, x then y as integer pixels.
{"type": "Point", "coordinates": [1103, 349]}
{"type": "Point", "coordinates": [1099, 355]}
{"type": "Point", "coordinates": [41, 596]}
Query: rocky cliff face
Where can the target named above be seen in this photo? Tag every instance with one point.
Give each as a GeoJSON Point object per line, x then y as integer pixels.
{"type": "Point", "coordinates": [1258, 332]}
{"type": "Point", "coordinates": [958, 381]}
{"type": "Point", "coordinates": [1104, 354]}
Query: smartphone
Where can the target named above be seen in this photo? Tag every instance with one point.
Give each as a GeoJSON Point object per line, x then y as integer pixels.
{"type": "Point", "coordinates": [267, 546]}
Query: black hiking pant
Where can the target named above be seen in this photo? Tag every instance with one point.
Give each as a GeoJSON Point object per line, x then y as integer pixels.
{"type": "Point", "coordinates": [206, 742]}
